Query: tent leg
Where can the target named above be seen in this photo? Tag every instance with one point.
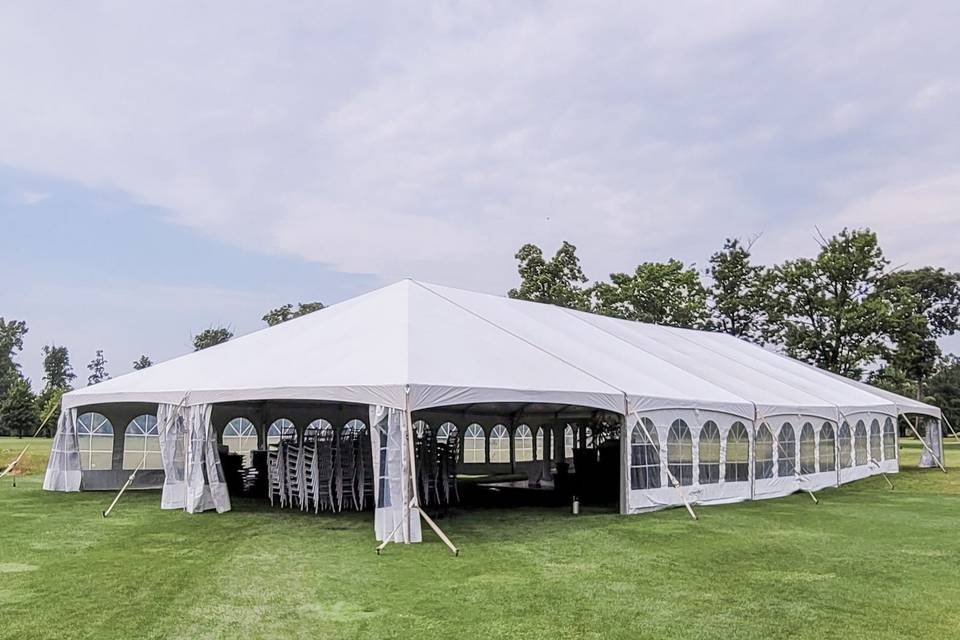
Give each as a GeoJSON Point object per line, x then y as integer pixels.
{"type": "Point", "coordinates": [122, 489]}
{"type": "Point", "coordinates": [947, 422]}
{"type": "Point", "coordinates": [924, 443]}
{"type": "Point", "coordinates": [436, 529]}
{"type": "Point", "coordinates": [877, 465]}
{"type": "Point", "coordinates": [812, 495]}
{"type": "Point", "coordinates": [387, 540]}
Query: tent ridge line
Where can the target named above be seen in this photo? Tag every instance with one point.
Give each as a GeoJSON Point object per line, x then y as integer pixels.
{"type": "Point", "coordinates": [576, 315]}
{"type": "Point", "coordinates": [521, 338]}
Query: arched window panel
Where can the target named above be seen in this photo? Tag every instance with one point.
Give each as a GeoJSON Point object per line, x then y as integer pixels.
{"type": "Point", "coordinates": [568, 442]}
{"type": "Point", "coordinates": [422, 429]}
{"type": "Point", "coordinates": [860, 444]}
{"type": "Point", "coordinates": [763, 463]}
{"type": "Point", "coordinates": [240, 436]}
{"type": "Point", "coordinates": [808, 449]}
{"type": "Point", "coordinates": [876, 447]}
{"type": "Point", "coordinates": [538, 448]}
{"type": "Point", "coordinates": [319, 429]}
{"type": "Point", "coordinates": [644, 457]}
{"type": "Point", "coordinates": [786, 451]}
{"type": "Point", "coordinates": [95, 439]}
{"type": "Point", "coordinates": [474, 445]}
{"type": "Point", "coordinates": [889, 440]}
{"type": "Point", "coordinates": [680, 452]}
{"type": "Point", "coordinates": [447, 432]}
{"type": "Point", "coordinates": [523, 444]}
{"type": "Point", "coordinates": [845, 442]}
{"type": "Point", "coordinates": [499, 444]}
{"type": "Point", "coordinates": [709, 453]}
{"type": "Point", "coordinates": [141, 444]}
{"type": "Point", "coordinates": [281, 429]}
{"type": "Point", "coordinates": [354, 428]}
{"type": "Point", "coordinates": [738, 454]}
{"type": "Point", "coordinates": [827, 448]}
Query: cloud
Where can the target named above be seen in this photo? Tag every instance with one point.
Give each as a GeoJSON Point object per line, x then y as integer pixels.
{"type": "Point", "coordinates": [434, 142]}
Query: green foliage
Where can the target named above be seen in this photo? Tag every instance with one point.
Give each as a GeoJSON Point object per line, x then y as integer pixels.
{"type": "Point", "coordinates": [557, 281]}
{"type": "Point", "coordinates": [739, 293]}
{"type": "Point", "coordinates": [943, 389]}
{"type": "Point", "coordinates": [18, 409]}
{"type": "Point", "coordinates": [829, 309]}
{"type": "Point", "coordinates": [288, 312]}
{"type": "Point", "coordinates": [668, 293]}
{"type": "Point", "coordinates": [11, 344]}
{"type": "Point", "coordinates": [924, 306]}
{"type": "Point", "coordinates": [142, 363]}
{"type": "Point", "coordinates": [48, 403]}
{"type": "Point", "coordinates": [57, 372]}
{"type": "Point", "coordinates": [211, 337]}
{"type": "Point", "coordinates": [98, 369]}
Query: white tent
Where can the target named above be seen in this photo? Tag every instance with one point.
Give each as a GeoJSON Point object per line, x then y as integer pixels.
{"type": "Point", "coordinates": [728, 419]}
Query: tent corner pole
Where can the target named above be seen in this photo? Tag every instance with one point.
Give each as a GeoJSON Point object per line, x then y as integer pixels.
{"type": "Point", "coordinates": [414, 501]}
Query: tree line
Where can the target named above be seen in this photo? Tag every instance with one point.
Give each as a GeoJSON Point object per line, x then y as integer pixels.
{"type": "Point", "coordinates": [845, 310]}
{"type": "Point", "coordinates": [22, 410]}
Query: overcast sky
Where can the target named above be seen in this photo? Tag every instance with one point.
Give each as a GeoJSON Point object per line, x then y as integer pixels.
{"type": "Point", "coordinates": [164, 169]}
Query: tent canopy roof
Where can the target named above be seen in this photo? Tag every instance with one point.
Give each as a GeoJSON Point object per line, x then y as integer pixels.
{"type": "Point", "coordinates": [453, 347]}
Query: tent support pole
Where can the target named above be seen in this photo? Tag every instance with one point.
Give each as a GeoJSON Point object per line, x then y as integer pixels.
{"type": "Point", "coordinates": [122, 489]}
{"type": "Point", "coordinates": [35, 434]}
{"type": "Point", "coordinates": [673, 479]}
{"type": "Point", "coordinates": [947, 422]}
{"type": "Point", "coordinates": [877, 464]}
{"type": "Point", "coordinates": [415, 501]}
{"type": "Point", "coordinates": [924, 442]}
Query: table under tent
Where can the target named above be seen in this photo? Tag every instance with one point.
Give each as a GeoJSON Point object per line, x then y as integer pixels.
{"type": "Point", "coordinates": [388, 400]}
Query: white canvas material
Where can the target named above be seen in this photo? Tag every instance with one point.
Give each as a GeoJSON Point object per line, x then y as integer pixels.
{"type": "Point", "coordinates": [172, 434]}
{"type": "Point", "coordinates": [63, 469]}
{"type": "Point", "coordinates": [393, 519]}
{"type": "Point", "coordinates": [206, 486]}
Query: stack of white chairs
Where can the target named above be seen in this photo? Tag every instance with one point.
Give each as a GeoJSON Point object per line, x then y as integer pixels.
{"type": "Point", "coordinates": [309, 455]}
{"type": "Point", "coordinates": [294, 467]}
{"type": "Point", "coordinates": [277, 469]}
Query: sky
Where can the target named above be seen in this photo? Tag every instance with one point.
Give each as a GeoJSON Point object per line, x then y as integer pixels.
{"type": "Point", "coordinates": [166, 167]}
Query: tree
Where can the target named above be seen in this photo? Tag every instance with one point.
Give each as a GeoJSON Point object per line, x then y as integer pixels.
{"type": "Point", "coordinates": [142, 363]}
{"type": "Point", "coordinates": [211, 337]}
{"type": "Point", "coordinates": [924, 306]}
{"type": "Point", "coordinates": [98, 369]}
{"type": "Point", "coordinates": [11, 344]}
{"type": "Point", "coordinates": [558, 281]}
{"type": "Point", "coordinates": [738, 293]}
{"type": "Point", "coordinates": [57, 372]}
{"type": "Point", "coordinates": [667, 293]}
{"type": "Point", "coordinates": [830, 312]}
{"type": "Point", "coordinates": [18, 409]}
{"type": "Point", "coordinates": [48, 404]}
{"type": "Point", "coordinates": [943, 389]}
{"type": "Point", "coordinates": [287, 312]}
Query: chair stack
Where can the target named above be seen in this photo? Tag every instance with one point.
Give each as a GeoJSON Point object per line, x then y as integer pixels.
{"type": "Point", "coordinates": [277, 466]}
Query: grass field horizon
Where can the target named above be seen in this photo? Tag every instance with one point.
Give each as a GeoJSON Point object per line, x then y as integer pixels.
{"type": "Point", "coordinates": [866, 562]}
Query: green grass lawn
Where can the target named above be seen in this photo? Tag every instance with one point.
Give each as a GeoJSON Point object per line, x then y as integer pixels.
{"type": "Point", "coordinates": [864, 563]}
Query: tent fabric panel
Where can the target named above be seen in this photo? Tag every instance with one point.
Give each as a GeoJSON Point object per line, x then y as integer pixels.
{"type": "Point", "coordinates": [63, 468]}
{"type": "Point", "coordinates": [393, 520]}
{"type": "Point", "coordinates": [582, 346]}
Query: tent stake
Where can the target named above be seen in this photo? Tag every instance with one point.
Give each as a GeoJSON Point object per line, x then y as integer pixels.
{"type": "Point", "coordinates": [924, 442]}
{"type": "Point", "coordinates": [35, 434]}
